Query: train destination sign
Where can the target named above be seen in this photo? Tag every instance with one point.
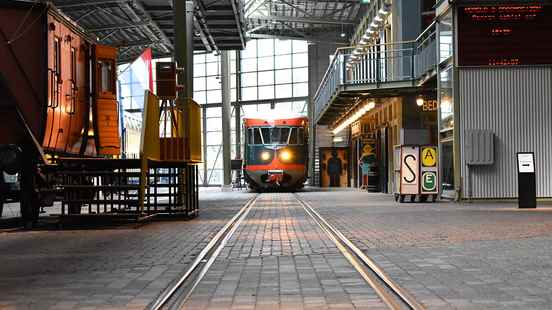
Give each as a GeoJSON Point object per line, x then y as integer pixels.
{"type": "Point", "coordinates": [505, 35]}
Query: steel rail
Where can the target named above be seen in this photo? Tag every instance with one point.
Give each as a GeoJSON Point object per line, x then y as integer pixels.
{"type": "Point", "coordinates": [347, 247]}
{"type": "Point", "coordinates": [216, 244]}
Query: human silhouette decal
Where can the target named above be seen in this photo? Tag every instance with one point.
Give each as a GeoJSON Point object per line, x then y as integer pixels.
{"type": "Point", "coordinates": [334, 169]}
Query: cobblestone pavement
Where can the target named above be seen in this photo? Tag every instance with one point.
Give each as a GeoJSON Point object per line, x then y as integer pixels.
{"type": "Point", "coordinates": [109, 268]}
{"type": "Point", "coordinates": [463, 256]}
{"type": "Point", "coordinates": [280, 259]}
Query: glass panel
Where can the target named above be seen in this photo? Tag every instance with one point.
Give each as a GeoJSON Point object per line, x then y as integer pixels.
{"type": "Point", "coordinates": [213, 68]}
{"type": "Point", "coordinates": [199, 70]}
{"type": "Point", "coordinates": [266, 135]}
{"type": "Point", "coordinates": [249, 93]}
{"type": "Point", "coordinates": [283, 91]}
{"type": "Point", "coordinates": [301, 60]}
{"type": "Point", "coordinates": [250, 50]}
{"type": "Point", "coordinates": [211, 57]}
{"type": "Point", "coordinates": [214, 112]}
{"type": "Point", "coordinates": [445, 37]}
{"type": "Point", "coordinates": [446, 100]}
{"type": "Point", "coordinates": [214, 138]}
{"type": "Point", "coordinates": [249, 79]}
{"type": "Point", "coordinates": [200, 97]}
{"type": "Point", "coordinates": [266, 92]}
{"type": "Point", "coordinates": [283, 61]}
{"type": "Point", "coordinates": [283, 76]}
{"type": "Point", "coordinates": [300, 46]}
{"type": "Point", "coordinates": [199, 58]}
{"type": "Point", "coordinates": [265, 47]}
{"type": "Point", "coordinates": [214, 96]}
{"type": "Point", "coordinates": [300, 75]}
{"type": "Point", "coordinates": [282, 108]}
{"type": "Point", "coordinates": [257, 136]}
{"type": "Point", "coordinates": [266, 63]}
{"type": "Point", "coordinates": [213, 82]}
{"type": "Point", "coordinates": [301, 90]}
{"type": "Point", "coordinates": [293, 136]}
{"type": "Point", "coordinates": [301, 136]}
{"type": "Point", "coordinates": [249, 65]}
{"type": "Point", "coordinates": [199, 84]}
{"type": "Point", "coordinates": [266, 78]}
{"type": "Point", "coordinates": [282, 47]}
{"type": "Point", "coordinates": [214, 124]}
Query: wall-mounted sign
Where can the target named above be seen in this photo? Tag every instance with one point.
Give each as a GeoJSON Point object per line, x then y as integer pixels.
{"type": "Point", "coordinates": [429, 106]}
{"type": "Point", "coordinates": [410, 169]}
{"type": "Point", "coordinates": [505, 35]}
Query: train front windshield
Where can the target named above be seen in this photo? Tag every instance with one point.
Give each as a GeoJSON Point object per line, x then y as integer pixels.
{"type": "Point", "coordinates": [277, 135]}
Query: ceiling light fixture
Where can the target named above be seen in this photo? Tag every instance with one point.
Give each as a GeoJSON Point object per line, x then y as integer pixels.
{"type": "Point", "coordinates": [353, 117]}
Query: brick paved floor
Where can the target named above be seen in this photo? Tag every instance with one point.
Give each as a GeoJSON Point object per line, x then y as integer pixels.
{"type": "Point", "coordinates": [280, 259]}
{"type": "Point", "coordinates": [464, 256]}
{"type": "Point", "coordinates": [109, 268]}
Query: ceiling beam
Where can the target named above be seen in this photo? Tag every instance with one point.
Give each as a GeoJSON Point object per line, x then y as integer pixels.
{"type": "Point", "coordinates": [304, 20]}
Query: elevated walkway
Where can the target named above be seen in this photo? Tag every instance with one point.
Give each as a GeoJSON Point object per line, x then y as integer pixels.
{"type": "Point", "coordinates": [382, 70]}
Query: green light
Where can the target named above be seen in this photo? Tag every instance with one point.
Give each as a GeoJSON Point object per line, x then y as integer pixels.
{"type": "Point", "coordinates": [364, 1]}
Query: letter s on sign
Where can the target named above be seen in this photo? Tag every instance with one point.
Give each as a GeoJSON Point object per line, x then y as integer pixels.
{"type": "Point", "coordinates": [408, 161]}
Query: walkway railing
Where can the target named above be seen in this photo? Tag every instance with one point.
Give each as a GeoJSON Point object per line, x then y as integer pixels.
{"type": "Point", "coordinates": [381, 63]}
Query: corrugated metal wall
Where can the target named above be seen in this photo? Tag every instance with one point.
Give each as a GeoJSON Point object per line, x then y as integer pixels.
{"type": "Point", "coordinates": [516, 104]}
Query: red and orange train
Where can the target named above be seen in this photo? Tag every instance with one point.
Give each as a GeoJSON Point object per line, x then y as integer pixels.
{"type": "Point", "coordinates": [57, 94]}
{"type": "Point", "coordinates": [276, 153]}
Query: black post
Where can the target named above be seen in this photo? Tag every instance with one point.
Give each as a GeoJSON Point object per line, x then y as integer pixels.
{"type": "Point", "coordinates": [527, 189]}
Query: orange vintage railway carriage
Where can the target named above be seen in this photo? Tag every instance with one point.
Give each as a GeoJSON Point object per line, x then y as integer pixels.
{"type": "Point", "coordinates": [57, 95]}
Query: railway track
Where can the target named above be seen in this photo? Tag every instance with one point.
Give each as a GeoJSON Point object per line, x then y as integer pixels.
{"type": "Point", "coordinates": [389, 291]}
{"type": "Point", "coordinates": [394, 296]}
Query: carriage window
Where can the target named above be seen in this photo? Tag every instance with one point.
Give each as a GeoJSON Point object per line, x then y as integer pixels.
{"type": "Point", "coordinates": [73, 64]}
{"type": "Point", "coordinates": [107, 73]}
{"type": "Point", "coordinates": [293, 136]}
{"type": "Point", "coordinates": [257, 139]}
{"type": "Point", "coordinates": [57, 57]}
{"type": "Point", "coordinates": [301, 136]}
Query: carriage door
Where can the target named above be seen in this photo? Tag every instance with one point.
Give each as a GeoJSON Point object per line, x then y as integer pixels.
{"type": "Point", "coordinates": [106, 113]}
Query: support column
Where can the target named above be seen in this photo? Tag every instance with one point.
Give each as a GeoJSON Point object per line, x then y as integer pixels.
{"type": "Point", "coordinates": [237, 109]}
{"type": "Point", "coordinates": [184, 48]}
{"type": "Point", "coordinates": [226, 115]}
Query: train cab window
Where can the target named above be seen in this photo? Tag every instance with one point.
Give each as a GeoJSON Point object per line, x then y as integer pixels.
{"type": "Point", "coordinates": [257, 139]}
{"type": "Point", "coordinates": [279, 135]}
{"type": "Point", "coordinates": [293, 136]}
{"type": "Point", "coordinates": [266, 135]}
{"type": "Point", "coordinates": [300, 136]}
{"type": "Point", "coordinates": [107, 76]}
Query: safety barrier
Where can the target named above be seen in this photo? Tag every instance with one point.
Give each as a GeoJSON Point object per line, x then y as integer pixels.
{"type": "Point", "coordinates": [377, 65]}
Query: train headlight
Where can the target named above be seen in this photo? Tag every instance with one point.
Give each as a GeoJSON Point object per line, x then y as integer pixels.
{"type": "Point", "coordinates": [285, 155]}
{"type": "Point", "coordinates": [265, 156]}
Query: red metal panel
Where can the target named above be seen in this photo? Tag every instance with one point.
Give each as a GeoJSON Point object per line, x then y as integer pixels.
{"type": "Point", "coordinates": [23, 71]}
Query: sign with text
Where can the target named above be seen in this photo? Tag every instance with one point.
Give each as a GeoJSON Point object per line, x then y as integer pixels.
{"type": "Point", "coordinates": [505, 35]}
{"type": "Point", "coordinates": [527, 186]}
{"type": "Point", "coordinates": [429, 170]}
{"type": "Point", "coordinates": [410, 170]}
{"type": "Point", "coordinates": [526, 163]}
